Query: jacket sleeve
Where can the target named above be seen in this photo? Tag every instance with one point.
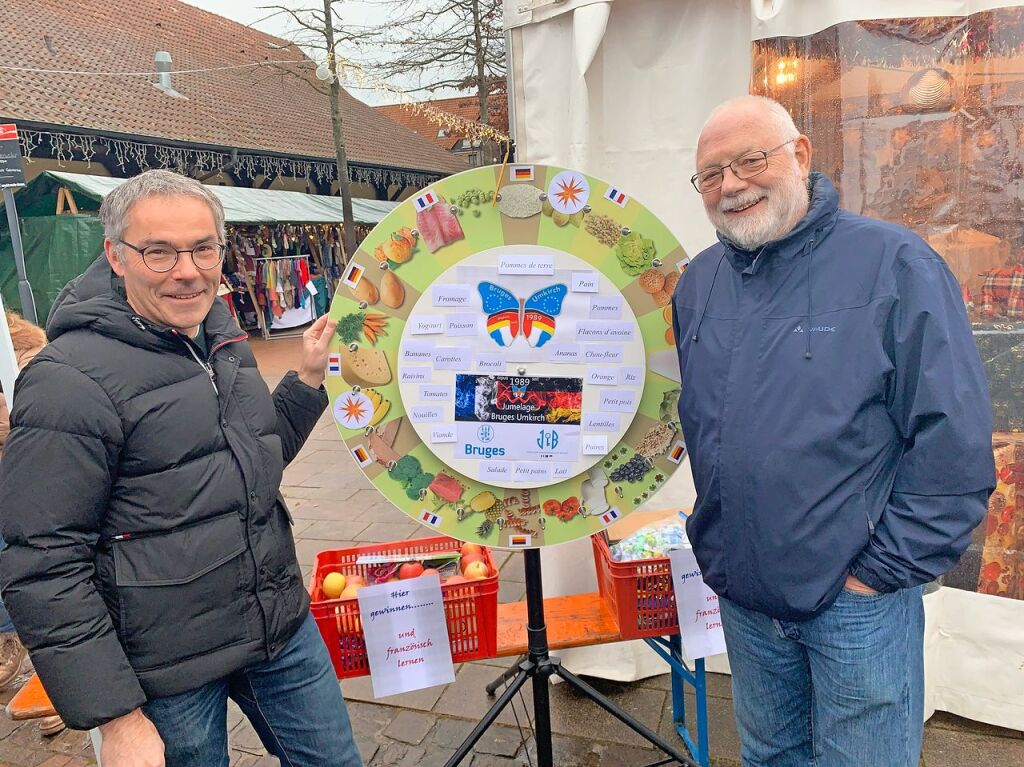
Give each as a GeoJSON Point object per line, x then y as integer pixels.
{"type": "Point", "coordinates": [55, 481]}
{"type": "Point", "coordinates": [298, 408]}
{"type": "Point", "coordinates": [938, 398]}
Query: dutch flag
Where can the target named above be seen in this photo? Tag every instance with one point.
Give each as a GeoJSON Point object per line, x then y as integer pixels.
{"type": "Point", "coordinates": [616, 196]}
{"type": "Point", "coordinates": [334, 364]}
{"type": "Point", "coordinates": [425, 200]}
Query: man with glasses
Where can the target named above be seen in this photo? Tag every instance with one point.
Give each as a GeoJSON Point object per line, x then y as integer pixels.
{"type": "Point", "coordinates": [839, 430]}
{"type": "Point", "coordinates": [151, 570]}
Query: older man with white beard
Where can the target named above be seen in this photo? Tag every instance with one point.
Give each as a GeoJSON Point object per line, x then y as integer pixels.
{"type": "Point", "coordinates": [839, 429]}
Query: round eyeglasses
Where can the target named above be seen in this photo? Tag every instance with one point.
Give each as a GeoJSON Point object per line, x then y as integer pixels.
{"type": "Point", "coordinates": [162, 258]}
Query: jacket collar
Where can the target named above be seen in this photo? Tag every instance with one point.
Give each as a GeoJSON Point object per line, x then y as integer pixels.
{"type": "Point", "coordinates": [819, 219]}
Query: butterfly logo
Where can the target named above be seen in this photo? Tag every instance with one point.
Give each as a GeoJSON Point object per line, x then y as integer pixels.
{"type": "Point", "coordinates": [507, 316]}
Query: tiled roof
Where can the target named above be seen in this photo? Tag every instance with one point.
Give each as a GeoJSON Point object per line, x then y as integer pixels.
{"type": "Point", "coordinates": [466, 107]}
{"type": "Point", "coordinates": [267, 108]}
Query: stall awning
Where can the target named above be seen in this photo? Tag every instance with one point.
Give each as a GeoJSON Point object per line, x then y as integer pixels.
{"type": "Point", "coordinates": [241, 205]}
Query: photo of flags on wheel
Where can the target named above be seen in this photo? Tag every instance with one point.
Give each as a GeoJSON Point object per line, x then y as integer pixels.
{"type": "Point", "coordinates": [430, 518]}
{"type": "Point", "coordinates": [334, 364]}
{"type": "Point", "coordinates": [522, 173]}
{"type": "Point", "coordinates": [616, 196]}
{"type": "Point", "coordinates": [353, 274]}
{"type": "Point", "coordinates": [610, 516]}
{"type": "Point", "coordinates": [425, 200]}
{"type": "Point", "coordinates": [519, 541]}
{"type": "Point", "coordinates": [362, 456]}
{"type": "Point", "coordinates": [677, 452]}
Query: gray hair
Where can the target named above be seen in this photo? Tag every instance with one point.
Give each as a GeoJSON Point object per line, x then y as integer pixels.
{"type": "Point", "coordinates": [153, 183]}
{"type": "Point", "coordinates": [775, 113]}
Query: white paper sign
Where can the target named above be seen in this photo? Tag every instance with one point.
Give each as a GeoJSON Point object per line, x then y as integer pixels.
{"type": "Point", "coordinates": [456, 296]}
{"type": "Point", "coordinates": [605, 307]}
{"type": "Point", "coordinates": [602, 353]}
{"type": "Point", "coordinates": [602, 376]}
{"type": "Point", "coordinates": [564, 353]}
{"type": "Point", "coordinates": [630, 376]}
{"type": "Point", "coordinates": [532, 471]}
{"type": "Point", "coordinates": [490, 362]}
{"type": "Point", "coordinates": [426, 324]}
{"type": "Point", "coordinates": [416, 375]}
{"type": "Point", "coordinates": [526, 265]}
{"type": "Point", "coordinates": [426, 413]}
{"type": "Point", "coordinates": [618, 400]}
{"type": "Point", "coordinates": [602, 330]}
{"type": "Point", "coordinates": [500, 471]}
{"type": "Point", "coordinates": [585, 282]}
{"type": "Point", "coordinates": [436, 393]}
{"type": "Point", "coordinates": [417, 352]}
{"type": "Point", "coordinates": [460, 325]}
{"type": "Point", "coordinates": [595, 444]}
{"type": "Point", "coordinates": [442, 434]}
{"type": "Point", "coordinates": [407, 642]}
{"type": "Point", "coordinates": [601, 422]}
{"type": "Point", "coordinates": [452, 358]}
{"type": "Point", "coordinates": [561, 471]}
{"type": "Point", "coordinates": [700, 621]}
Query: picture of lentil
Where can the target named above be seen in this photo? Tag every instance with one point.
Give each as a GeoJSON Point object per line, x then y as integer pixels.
{"type": "Point", "coordinates": [519, 201]}
{"type": "Point", "coordinates": [603, 228]}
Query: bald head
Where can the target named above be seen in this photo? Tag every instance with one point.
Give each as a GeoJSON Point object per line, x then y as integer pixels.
{"type": "Point", "coordinates": [764, 163]}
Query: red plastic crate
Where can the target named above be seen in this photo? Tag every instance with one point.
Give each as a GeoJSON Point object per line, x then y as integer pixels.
{"type": "Point", "coordinates": [639, 593]}
{"type": "Point", "coordinates": [471, 609]}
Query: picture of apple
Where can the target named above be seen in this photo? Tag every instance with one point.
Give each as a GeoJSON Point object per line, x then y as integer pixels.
{"type": "Point", "coordinates": [333, 585]}
{"type": "Point", "coordinates": [410, 570]}
{"type": "Point", "coordinates": [471, 548]}
{"type": "Point", "coordinates": [469, 559]}
{"type": "Point", "coordinates": [476, 571]}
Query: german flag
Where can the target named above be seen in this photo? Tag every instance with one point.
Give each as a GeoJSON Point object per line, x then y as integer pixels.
{"type": "Point", "coordinates": [519, 541]}
{"type": "Point", "coordinates": [677, 452]}
{"type": "Point", "coordinates": [522, 173]}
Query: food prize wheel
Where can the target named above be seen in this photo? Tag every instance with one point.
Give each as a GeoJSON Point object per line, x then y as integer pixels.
{"type": "Point", "coordinates": [504, 369]}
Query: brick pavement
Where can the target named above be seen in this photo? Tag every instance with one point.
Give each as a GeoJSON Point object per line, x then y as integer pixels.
{"type": "Point", "coordinates": [334, 506]}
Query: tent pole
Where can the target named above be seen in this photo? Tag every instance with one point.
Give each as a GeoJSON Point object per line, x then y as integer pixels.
{"type": "Point", "coordinates": [28, 303]}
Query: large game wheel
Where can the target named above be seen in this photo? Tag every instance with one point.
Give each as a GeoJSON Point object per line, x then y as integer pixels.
{"type": "Point", "coordinates": [504, 369]}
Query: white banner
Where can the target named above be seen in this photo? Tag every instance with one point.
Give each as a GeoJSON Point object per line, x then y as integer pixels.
{"type": "Point", "coordinates": [700, 619]}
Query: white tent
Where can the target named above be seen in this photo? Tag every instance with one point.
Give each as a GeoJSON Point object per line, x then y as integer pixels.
{"type": "Point", "coordinates": [620, 89]}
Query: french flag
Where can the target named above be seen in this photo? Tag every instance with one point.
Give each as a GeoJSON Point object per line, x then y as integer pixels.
{"type": "Point", "coordinates": [430, 518]}
{"type": "Point", "coordinates": [425, 200]}
{"type": "Point", "coordinates": [610, 516]}
{"type": "Point", "coordinates": [616, 196]}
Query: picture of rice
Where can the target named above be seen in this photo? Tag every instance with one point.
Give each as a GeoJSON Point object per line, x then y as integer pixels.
{"type": "Point", "coordinates": [519, 201]}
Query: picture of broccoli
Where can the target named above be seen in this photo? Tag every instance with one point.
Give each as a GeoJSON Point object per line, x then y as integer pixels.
{"type": "Point", "coordinates": [405, 469]}
{"type": "Point", "coordinates": [634, 253]}
{"type": "Point", "coordinates": [417, 484]}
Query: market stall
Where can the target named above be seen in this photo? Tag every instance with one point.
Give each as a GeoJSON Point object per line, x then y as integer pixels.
{"type": "Point", "coordinates": [62, 234]}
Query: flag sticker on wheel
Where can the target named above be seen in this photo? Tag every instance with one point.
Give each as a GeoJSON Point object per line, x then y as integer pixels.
{"type": "Point", "coordinates": [334, 364]}
{"type": "Point", "coordinates": [519, 541]}
{"type": "Point", "coordinates": [362, 456]}
{"type": "Point", "coordinates": [616, 196]}
{"type": "Point", "coordinates": [425, 200]}
{"type": "Point", "coordinates": [522, 173]}
{"type": "Point", "coordinates": [353, 274]}
{"type": "Point", "coordinates": [677, 452]}
{"type": "Point", "coordinates": [430, 518]}
{"type": "Point", "coordinates": [610, 516]}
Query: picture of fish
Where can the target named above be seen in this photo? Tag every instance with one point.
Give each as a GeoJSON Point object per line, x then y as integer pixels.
{"type": "Point", "coordinates": [437, 225]}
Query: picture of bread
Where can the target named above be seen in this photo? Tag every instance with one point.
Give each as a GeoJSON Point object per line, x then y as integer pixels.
{"type": "Point", "coordinates": [365, 367]}
{"type": "Point", "coordinates": [392, 292]}
{"type": "Point", "coordinates": [671, 279]}
{"type": "Point", "coordinates": [661, 298]}
{"type": "Point", "coordinates": [366, 291]}
{"type": "Point", "coordinates": [651, 281]}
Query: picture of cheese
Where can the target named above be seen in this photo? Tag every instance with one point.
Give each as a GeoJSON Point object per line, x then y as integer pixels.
{"type": "Point", "coordinates": [365, 367]}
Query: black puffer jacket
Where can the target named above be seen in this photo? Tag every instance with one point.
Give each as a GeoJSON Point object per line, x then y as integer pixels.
{"type": "Point", "coordinates": [149, 550]}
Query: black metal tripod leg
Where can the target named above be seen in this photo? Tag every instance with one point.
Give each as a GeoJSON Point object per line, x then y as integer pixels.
{"type": "Point", "coordinates": [488, 719]}
{"type": "Point", "coordinates": [639, 727]}
{"type": "Point", "coordinates": [507, 674]}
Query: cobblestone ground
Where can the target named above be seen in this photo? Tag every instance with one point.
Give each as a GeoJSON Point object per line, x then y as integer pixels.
{"type": "Point", "coordinates": [335, 507]}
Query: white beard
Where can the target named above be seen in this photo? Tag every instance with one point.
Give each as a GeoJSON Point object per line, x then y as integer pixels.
{"type": "Point", "coordinates": [781, 206]}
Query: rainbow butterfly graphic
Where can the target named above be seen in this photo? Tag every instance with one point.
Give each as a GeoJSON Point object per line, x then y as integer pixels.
{"type": "Point", "coordinates": [508, 316]}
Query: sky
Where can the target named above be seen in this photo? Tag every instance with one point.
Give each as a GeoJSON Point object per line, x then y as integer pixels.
{"type": "Point", "coordinates": [357, 12]}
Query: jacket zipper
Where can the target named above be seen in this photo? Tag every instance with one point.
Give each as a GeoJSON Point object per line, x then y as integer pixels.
{"type": "Point", "coordinates": [205, 365]}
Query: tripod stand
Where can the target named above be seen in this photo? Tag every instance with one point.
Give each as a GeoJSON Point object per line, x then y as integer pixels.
{"type": "Point", "coordinates": [538, 666]}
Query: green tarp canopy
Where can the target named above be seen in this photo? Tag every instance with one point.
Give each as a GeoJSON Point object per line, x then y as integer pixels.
{"type": "Point", "coordinates": [59, 248]}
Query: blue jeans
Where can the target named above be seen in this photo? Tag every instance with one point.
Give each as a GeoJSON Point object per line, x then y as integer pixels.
{"type": "Point", "coordinates": [293, 701]}
{"type": "Point", "coordinates": [843, 689]}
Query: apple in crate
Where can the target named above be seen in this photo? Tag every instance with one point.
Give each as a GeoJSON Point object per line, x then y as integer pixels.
{"type": "Point", "coordinates": [471, 548]}
{"type": "Point", "coordinates": [351, 590]}
{"type": "Point", "coordinates": [334, 584]}
{"type": "Point", "coordinates": [431, 571]}
{"type": "Point", "coordinates": [468, 559]}
{"type": "Point", "coordinates": [476, 571]}
{"type": "Point", "coordinates": [410, 570]}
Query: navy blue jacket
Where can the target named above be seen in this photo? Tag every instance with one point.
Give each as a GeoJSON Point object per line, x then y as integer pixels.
{"type": "Point", "coordinates": [835, 410]}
